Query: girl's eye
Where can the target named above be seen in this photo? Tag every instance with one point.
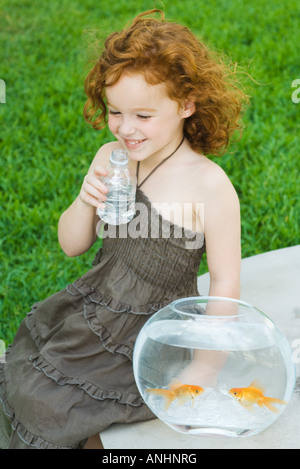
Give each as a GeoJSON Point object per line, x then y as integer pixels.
{"type": "Point", "coordinates": [117, 113]}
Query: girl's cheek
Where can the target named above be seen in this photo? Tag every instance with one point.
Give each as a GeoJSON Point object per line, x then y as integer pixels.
{"type": "Point", "coordinates": [112, 125]}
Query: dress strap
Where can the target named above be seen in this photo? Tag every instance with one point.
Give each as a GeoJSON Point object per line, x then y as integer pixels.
{"type": "Point", "coordinates": [157, 166]}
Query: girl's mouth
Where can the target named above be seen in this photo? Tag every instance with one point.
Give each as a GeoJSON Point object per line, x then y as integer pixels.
{"type": "Point", "coordinates": [133, 144]}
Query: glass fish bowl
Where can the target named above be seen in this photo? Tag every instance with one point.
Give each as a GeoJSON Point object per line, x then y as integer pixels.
{"type": "Point", "coordinates": [214, 367]}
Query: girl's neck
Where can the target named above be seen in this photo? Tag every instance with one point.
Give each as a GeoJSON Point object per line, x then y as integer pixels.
{"type": "Point", "coordinates": [156, 166]}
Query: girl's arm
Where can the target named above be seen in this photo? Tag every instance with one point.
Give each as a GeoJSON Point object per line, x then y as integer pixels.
{"type": "Point", "coordinates": [222, 239]}
{"type": "Point", "coordinates": [222, 236]}
{"type": "Point", "coordinates": [77, 225]}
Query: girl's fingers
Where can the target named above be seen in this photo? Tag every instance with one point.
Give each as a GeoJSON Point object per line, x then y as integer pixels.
{"type": "Point", "coordinates": [100, 171]}
{"type": "Point", "coordinates": [92, 190]}
{"type": "Point", "coordinates": [94, 181]}
{"type": "Point", "coordinates": [87, 199]}
{"type": "Point", "coordinates": [94, 178]}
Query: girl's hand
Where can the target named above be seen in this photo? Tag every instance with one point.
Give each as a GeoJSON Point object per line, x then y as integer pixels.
{"type": "Point", "coordinates": [93, 191]}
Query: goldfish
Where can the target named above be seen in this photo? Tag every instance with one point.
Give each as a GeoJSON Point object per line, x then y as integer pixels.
{"type": "Point", "coordinates": [254, 394]}
{"type": "Point", "coordinates": [182, 392]}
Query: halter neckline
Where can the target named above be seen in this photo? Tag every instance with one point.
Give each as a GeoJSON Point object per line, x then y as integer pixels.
{"type": "Point", "coordinates": [157, 166]}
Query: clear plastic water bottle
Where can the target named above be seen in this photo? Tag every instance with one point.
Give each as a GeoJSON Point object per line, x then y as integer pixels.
{"type": "Point", "coordinates": [121, 185]}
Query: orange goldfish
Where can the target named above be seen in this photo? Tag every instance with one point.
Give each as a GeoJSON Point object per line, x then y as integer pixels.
{"type": "Point", "coordinates": [182, 392]}
{"type": "Point", "coordinates": [254, 394]}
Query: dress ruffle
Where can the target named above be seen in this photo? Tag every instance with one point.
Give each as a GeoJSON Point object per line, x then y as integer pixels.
{"type": "Point", "coordinates": [91, 389]}
{"type": "Point", "coordinates": [93, 294]}
{"type": "Point", "coordinates": [128, 400]}
{"type": "Point", "coordinates": [25, 435]}
{"type": "Point", "coordinates": [104, 335]}
{"type": "Point", "coordinates": [106, 340]}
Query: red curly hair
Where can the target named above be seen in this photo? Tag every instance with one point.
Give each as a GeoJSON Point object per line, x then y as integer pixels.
{"type": "Point", "coordinates": [166, 52]}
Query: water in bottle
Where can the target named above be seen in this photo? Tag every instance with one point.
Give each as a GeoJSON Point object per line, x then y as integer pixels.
{"type": "Point", "coordinates": [121, 183]}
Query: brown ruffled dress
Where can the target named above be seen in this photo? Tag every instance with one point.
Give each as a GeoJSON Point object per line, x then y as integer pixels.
{"type": "Point", "coordinates": [68, 375]}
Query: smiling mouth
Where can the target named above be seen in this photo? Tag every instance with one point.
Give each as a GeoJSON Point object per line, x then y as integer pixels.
{"type": "Point", "coordinates": [133, 143]}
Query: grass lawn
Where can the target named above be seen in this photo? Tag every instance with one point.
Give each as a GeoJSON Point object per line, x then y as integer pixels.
{"type": "Point", "coordinates": [46, 146]}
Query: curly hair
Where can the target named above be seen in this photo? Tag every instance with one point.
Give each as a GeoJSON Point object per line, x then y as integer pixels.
{"type": "Point", "coordinates": [166, 52]}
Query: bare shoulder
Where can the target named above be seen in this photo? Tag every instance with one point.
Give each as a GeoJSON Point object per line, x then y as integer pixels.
{"type": "Point", "coordinates": [212, 181]}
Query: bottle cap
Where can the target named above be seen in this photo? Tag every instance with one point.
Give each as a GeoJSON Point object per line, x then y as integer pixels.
{"type": "Point", "coordinates": [119, 157]}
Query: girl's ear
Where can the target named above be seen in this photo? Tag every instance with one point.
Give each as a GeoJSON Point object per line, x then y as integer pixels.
{"type": "Point", "coordinates": [188, 108]}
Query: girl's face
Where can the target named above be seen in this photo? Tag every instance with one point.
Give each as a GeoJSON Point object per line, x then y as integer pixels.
{"type": "Point", "coordinates": [143, 118]}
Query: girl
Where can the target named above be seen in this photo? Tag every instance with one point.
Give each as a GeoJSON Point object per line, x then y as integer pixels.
{"type": "Point", "coordinates": [68, 374]}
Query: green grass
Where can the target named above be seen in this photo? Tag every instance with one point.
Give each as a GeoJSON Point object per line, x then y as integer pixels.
{"type": "Point", "coordinates": [46, 146]}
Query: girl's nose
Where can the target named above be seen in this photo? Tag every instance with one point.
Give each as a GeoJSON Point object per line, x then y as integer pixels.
{"type": "Point", "coordinates": [126, 127]}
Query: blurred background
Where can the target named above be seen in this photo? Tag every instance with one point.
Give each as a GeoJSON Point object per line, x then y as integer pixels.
{"type": "Point", "coordinates": [46, 146]}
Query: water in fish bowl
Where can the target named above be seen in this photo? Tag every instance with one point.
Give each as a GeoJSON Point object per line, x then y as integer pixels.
{"type": "Point", "coordinates": [206, 373]}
